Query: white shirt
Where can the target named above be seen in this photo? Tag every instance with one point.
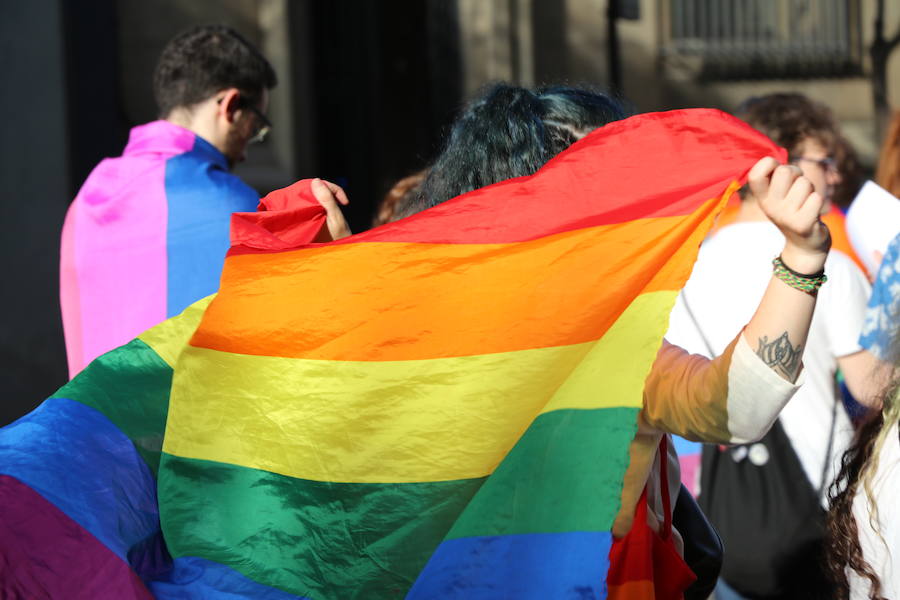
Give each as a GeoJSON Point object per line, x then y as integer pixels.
{"type": "Point", "coordinates": [882, 552]}
{"type": "Point", "coordinates": [732, 272]}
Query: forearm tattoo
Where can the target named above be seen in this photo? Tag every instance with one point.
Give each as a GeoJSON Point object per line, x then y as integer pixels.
{"type": "Point", "coordinates": [780, 355]}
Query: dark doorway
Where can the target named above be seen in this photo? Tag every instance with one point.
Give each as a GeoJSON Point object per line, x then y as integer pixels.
{"type": "Point", "coordinates": [387, 78]}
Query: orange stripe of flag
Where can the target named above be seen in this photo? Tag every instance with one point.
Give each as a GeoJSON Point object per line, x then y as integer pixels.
{"type": "Point", "coordinates": [439, 300]}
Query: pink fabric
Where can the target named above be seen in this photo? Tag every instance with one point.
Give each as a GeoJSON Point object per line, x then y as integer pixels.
{"type": "Point", "coordinates": [114, 245]}
{"type": "Point", "coordinates": [70, 301]}
{"type": "Point", "coordinates": [690, 465]}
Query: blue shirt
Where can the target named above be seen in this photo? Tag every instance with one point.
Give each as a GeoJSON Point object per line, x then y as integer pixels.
{"type": "Point", "coordinates": [879, 332]}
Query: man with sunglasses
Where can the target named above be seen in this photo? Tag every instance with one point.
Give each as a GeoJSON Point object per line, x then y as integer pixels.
{"type": "Point", "coordinates": [147, 234]}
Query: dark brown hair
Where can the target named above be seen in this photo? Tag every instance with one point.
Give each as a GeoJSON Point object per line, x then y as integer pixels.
{"type": "Point", "coordinates": [204, 60]}
{"type": "Point", "coordinates": [509, 131]}
{"type": "Point", "coordinates": [789, 119]}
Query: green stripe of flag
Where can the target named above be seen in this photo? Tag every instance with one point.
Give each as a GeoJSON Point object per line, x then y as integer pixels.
{"type": "Point", "coordinates": [130, 386]}
{"type": "Point", "coordinates": [314, 539]}
{"type": "Point", "coordinates": [320, 539]}
{"type": "Point", "coordinates": [564, 474]}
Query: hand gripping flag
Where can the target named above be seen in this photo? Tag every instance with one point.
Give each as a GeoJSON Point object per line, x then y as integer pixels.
{"type": "Point", "coordinates": [437, 408]}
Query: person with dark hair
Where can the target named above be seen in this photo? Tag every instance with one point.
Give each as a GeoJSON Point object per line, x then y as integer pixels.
{"type": "Point", "coordinates": [805, 443]}
{"type": "Point", "coordinates": [789, 117]}
{"type": "Point", "coordinates": [210, 80]}
{"type": "Point", "coordinates": [734, 397]}
{"type": "Point", "coordinates": [730, 399]}
{"type": "Point", "coordinates": [863, 525]}
{"type": "Point", "coordinates": [147, 233]}
{"type": "Point", "coordinates": [509, 132]}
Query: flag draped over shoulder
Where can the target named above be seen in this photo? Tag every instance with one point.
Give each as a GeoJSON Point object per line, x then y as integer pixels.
{"type": "Point", "coordinates": [443, 407]}
{"type": "Point", "coordinates": [437, 408]}
{"type": "Point", "coordinates": [145, 238]}
{"type": "Point", "coordinates": [78, 508]}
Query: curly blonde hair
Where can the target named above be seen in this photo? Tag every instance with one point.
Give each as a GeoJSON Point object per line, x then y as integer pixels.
{"type": "Point", "coordinates": [858, 468]}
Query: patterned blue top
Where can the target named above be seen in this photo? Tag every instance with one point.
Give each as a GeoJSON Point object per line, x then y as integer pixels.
{"type": "Point", "coordinates": [880, 328]}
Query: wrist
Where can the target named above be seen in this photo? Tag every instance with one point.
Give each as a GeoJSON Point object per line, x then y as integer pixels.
{"type": "Point", "coordinates": [807, 283]}
{"type": "Point", "coordinates": [803, 261]}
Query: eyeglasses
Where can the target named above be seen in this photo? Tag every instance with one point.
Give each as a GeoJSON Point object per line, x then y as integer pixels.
{"type": "Point", "coordinates": [264, 126]}
{"type": "Point", "coordinates": [827, 164]}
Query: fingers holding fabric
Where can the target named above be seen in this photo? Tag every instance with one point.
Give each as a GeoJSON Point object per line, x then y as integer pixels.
{"type": "Point", "coordinates": [330, 195]}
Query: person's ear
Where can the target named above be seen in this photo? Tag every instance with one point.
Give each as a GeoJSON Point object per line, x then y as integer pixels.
{"type": "Point", "coordinates": [229, 104]}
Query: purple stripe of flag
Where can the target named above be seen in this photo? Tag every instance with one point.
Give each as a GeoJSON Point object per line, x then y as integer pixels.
{"type": "Point", "coordinates": [45, 554]}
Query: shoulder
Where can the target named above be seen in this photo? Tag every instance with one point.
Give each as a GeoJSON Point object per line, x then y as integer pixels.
{"type": "Point", "coordinates": [720, 248]}
{"type": "Point", "coordinates": [193, 172]}
{"type": "Point", "coordinates": [233, 185]}
{"type": "Point", "coordinates": [754, 242]}
{"type": "Point", "coordinates": [113, 176]}
{"type": "Point", "coordinates": [116, 167]}
{"type": "Point", "coordinates": [734, 264]}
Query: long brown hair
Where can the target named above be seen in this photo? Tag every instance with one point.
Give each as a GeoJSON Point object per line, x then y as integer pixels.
{"type": "Point", "coordinates": [888, 173]}
{"type": "Point", "coordinates": [858, 467]}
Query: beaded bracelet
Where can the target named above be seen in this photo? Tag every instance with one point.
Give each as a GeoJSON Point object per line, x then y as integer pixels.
{"type": "Point", "coordinates": [800, 281]}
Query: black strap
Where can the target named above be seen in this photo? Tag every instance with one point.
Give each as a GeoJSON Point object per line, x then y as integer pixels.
{"type": "Point", "coordinates": [699, 329]}
{"type": "Point", "coordinates": [823, 482]}
{"type": "Point", "coordinates": [664, 486]}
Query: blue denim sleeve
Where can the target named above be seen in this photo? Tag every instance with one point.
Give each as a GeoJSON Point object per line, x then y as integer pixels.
{"type": "Point", "coordinates": [880, 328]}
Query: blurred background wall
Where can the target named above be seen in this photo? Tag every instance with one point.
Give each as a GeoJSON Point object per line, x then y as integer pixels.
{"type": "Point", "coordinates": [366, 91]}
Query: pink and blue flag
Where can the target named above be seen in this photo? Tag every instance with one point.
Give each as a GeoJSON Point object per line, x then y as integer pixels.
{"type": "Point", "coordinates": [145, 237]}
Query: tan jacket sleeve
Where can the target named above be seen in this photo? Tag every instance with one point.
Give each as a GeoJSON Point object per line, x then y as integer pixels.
{"type": "Point", "coordinates": [733, 398]}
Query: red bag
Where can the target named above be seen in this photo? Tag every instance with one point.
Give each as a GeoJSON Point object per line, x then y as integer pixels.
{"type": "Point", "coordinates": [645, 564]}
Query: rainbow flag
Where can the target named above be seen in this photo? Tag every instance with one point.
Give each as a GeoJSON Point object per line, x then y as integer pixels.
{"type": "Point", "coordinates": [438, 408]}
{"type": "Point", "coordinates": [79, 515]}
{"type": "Point", "coordinates": [443, 407]}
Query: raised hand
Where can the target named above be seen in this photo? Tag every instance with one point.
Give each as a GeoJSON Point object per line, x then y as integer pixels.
{"type": "Point", "coordinates": [790, 202]}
